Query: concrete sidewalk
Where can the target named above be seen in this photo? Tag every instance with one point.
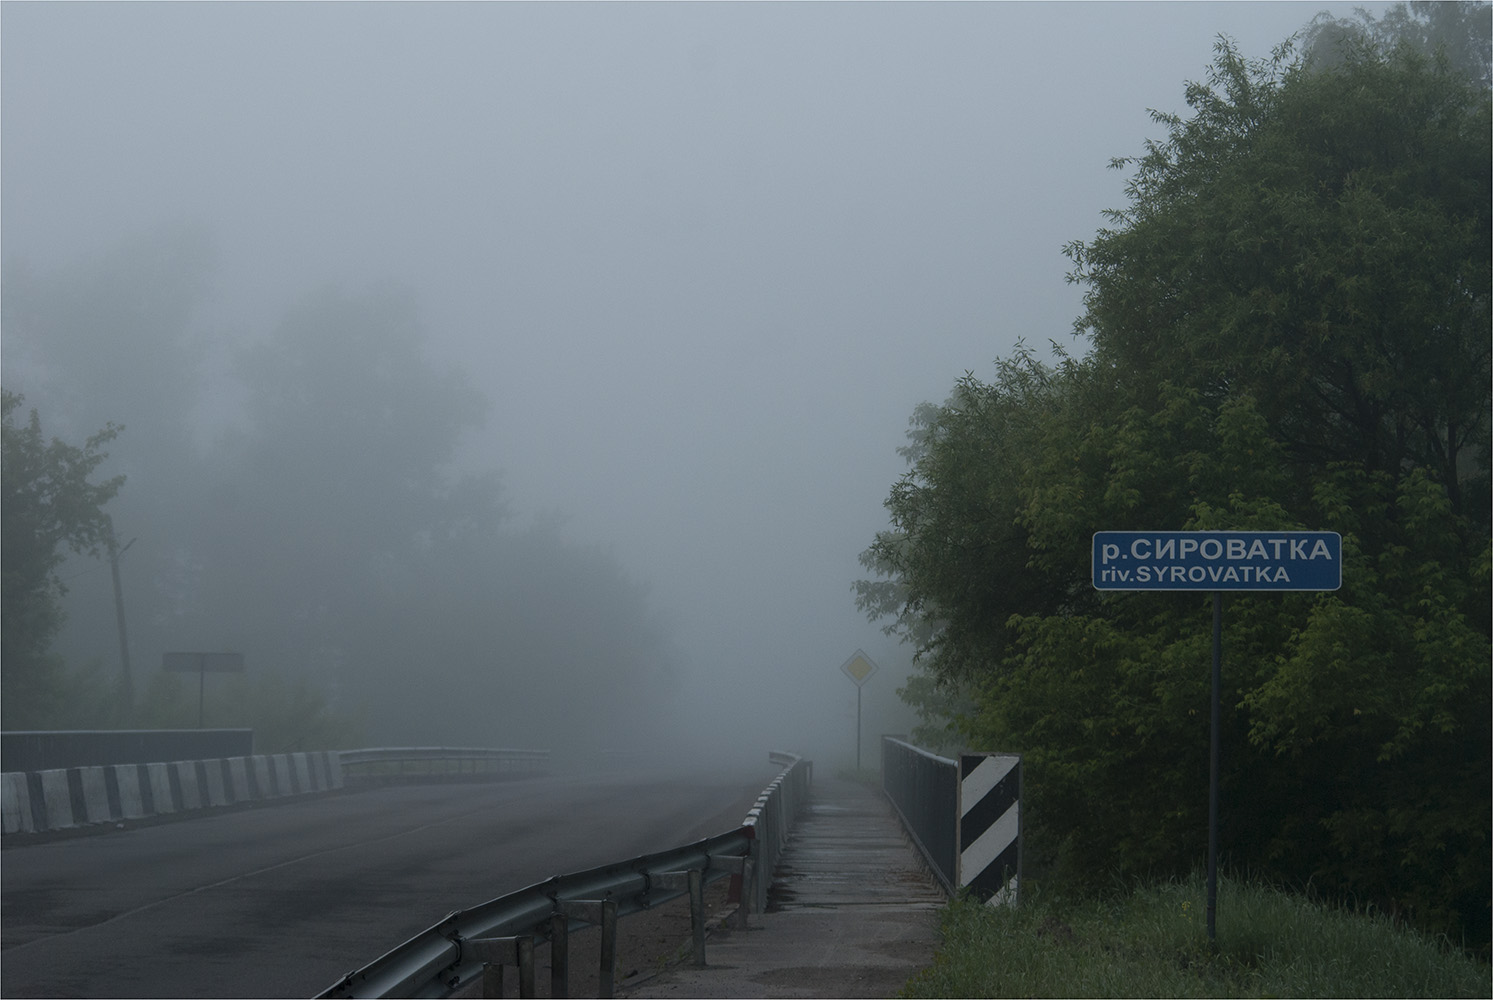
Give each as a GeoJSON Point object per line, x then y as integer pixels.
{"type": "Point", "coordinates": [852, 912]}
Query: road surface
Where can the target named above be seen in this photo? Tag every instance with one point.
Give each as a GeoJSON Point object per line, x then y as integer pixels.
{"type": "Point", "coordinates": [283, 899]}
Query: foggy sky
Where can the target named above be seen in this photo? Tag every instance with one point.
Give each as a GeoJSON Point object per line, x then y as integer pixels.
{"type": "Point", "coordinates": [704, 260]}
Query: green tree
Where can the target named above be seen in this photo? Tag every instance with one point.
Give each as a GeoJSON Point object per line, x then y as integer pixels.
{"type": "Point", "coordinates": [1289, 328]}
{"type": "Point", "coordinates": [298, 497]}
{"type": "Point", "coordinates": [47, 506]}
{"type": "Point", "coordinates": [346, 546]}
{"type": "Point", "coordinates": [120, 334]}
{"type": "Point", "coordinates": [336, 476]}
{"type": "Point", "coordinates": [1459, 31]}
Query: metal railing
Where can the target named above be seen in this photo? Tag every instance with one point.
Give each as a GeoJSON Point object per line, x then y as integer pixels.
{"type": "Point", "coordinates": [471, 945]}
{"type": "Point", "coordinates": [964, 815]}
{"type": "Point", "coordinates": [771, 818]}
{"type": "Point", "coordinates": [392, 764]}
{"type": "Point", "coordinates": [924, 789]}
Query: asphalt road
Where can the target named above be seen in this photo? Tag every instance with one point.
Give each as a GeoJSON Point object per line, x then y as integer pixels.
{"type": "Point", "coordinates": [282, 900]}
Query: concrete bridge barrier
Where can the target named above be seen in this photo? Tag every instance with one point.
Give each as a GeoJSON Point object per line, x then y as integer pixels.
{"type": "Point", "coordinates": [66, 798]}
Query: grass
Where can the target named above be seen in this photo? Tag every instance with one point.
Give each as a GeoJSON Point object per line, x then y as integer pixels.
{"type": "Point", "coordinates": [1152, 942]}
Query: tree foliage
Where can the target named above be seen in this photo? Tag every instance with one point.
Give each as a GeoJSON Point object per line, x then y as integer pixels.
{"type": "Point", "coordinates": [1289, 329]}
{"type": "Point", "coordinates": [48, 506]}
{"type": "Point", "coordinates": [1456, 30]}
{"type": "Point", "coordinates": [320, 521]}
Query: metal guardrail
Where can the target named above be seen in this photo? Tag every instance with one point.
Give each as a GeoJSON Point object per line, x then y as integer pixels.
{"type": "Point", "coordinates": [470, 945]}
{"type": "Point", "coordinates": [964, 815]}
{"type": "Point", "coordinates": [771, 818]}
{"type": "Point", "coordinates": [389, 764]}
{"type": "Point", "coordinates": [924, 789]}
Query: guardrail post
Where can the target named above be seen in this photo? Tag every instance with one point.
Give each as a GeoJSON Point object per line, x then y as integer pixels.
{"type": "Point", "coordinates": [495, 953]}
{"type": "Point", "coordinates": [608, 949]}
{"type": "Point", "coordinates": [602, 912]}
{"type": "Point", "coordinates": [559, 953]}
{"type": "Point", "coordinates": [741, 867]}
{"type": "Point", "coordinates": [697, 913]}
{"type": "Point", "coordinates": [740, 885]}
{"type": "Point", "coordinates": [693, 880]}
{"type": "Point", "coordinates": [751, 877]}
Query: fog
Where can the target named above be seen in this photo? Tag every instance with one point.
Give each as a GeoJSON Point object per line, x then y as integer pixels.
{"type": "Point", "coordinates": [534, 373]}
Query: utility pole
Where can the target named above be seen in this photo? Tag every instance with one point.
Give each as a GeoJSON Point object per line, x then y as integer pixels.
{"type": "Point", "coordinates": [127, 679]}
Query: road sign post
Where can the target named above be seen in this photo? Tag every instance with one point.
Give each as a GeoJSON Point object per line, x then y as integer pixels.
{"type": "Point", "coordinates": [1217, 561]}
{"type": "Point", "coordinates": [203, 664]}
{"type": "Point", "coordinates": [859, 669]}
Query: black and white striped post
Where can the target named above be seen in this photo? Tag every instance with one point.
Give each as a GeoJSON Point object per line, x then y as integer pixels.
{"type": "Point", "coordinates": [989, 847]}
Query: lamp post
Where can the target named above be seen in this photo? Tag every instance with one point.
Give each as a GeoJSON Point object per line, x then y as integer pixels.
{"type": "Point", "coordinates": [127, 677]}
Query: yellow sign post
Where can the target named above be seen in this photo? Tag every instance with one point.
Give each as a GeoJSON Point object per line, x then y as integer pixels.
{"type": "Point", "coordinates": [858, 668]}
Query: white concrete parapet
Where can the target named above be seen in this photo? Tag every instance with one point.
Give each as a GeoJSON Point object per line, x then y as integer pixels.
{"type": "Point", "coordinates": [40, 801]}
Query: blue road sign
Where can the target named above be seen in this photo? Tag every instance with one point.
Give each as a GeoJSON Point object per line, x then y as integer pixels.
{"type": "Point", "coordinates": [1218, 560]}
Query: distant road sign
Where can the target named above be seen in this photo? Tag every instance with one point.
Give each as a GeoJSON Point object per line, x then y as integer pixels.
{"type": "Point", "coordinates": [859, 668]}
{"type": "Point", "coordinates": [1218, 560]}
{"type": "Point", "coordinates": [212, 663]}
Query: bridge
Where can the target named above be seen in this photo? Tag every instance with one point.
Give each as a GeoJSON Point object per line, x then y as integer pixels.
{"type": "Point", "coordinates": [288, 898]}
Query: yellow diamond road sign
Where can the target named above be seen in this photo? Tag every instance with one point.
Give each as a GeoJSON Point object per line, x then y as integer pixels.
{"type": "Point", "coordinates": [859, 668]}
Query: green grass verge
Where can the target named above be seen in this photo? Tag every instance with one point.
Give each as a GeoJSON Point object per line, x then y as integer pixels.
{"type": "Point", "coordinates": [1153, 943]}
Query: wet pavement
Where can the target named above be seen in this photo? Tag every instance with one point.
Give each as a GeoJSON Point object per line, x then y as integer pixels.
{"type": "Point", "coordinates": [852, 912]}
